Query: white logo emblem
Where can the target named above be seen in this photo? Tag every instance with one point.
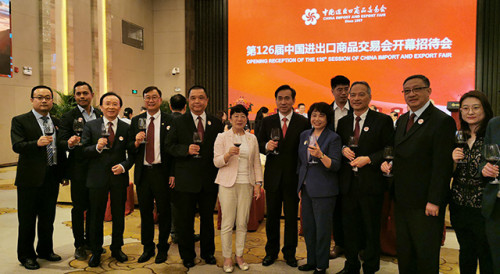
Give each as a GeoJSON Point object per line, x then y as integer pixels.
{"type": "Point", "coordinates": [310, 17]}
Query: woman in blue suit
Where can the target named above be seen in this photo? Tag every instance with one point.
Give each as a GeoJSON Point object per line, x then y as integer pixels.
{"type": "Point", "coordinates": [319, 160]}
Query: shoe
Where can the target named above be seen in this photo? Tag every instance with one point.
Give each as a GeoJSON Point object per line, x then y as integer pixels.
{"type": "Point", "coordinates": [209, 259]}
{"type": "Point", "coordinates": [188, 264]}
{"type": "Point", "coordinates": [81, 253]}
{"type": "Point", "coordinates": [336, 252]}
{"type": "Point", "coordinates": [146, 255]}
{"type": "Point", "coordinates": [95, 260]}
{"type": "Point", "coordinates": [31, 264]}
{"type": "Point", "coordinates": [307, 267]}
{"type": "Point", "coordinates": [50, 257]}
{"type": "Point", "coordinates": [161, 257]}
{"type": "Point", "coordinates": [196, 237]}
{"type": "Point", "coordinates": [119, 255]}
{"type": "Point", "coordinates": [291, 262]}
{"type": "Point", "coordinates": [228, 268]}
{"type": "Point", "coordinates": [268, 260]}
{"type": "Point", "coordinates": [243, 266]}
{"type": "Point", "coordinates": [317, 271]}
{"type": "Point", "coordinates": [345, 271]}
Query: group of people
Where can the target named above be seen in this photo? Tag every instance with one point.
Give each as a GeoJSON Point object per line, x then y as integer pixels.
{"type": "Point", "coordinates": [337, 162]}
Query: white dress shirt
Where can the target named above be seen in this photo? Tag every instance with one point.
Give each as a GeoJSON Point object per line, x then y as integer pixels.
{"type": "Point", "coordinates": [339, 113]}
{"type": "Point", "coordinates": [203, 119]}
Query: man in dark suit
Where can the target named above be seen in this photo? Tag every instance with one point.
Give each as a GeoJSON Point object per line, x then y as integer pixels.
{"type": "Point", "coordinates": [194, 176]}
{"type": "Point", "coordinates": [107, 173]}
{"type": "Point", "coordinates": [280, 175]}
{"type": "Point", "coordinates": [151, 175]}
{"type": "Point", "coordinates": [341, 107]}
{"type": "Point", "coordinates": [78, 165]}
{"type": "Point", "coordinates": [491, 203]}
{"type": "Point", "coordinates": [39, 172]}
{"type": "Point", "coordinates": [363, 189]}
{"type": "Point", "coordinates": [423, 143]}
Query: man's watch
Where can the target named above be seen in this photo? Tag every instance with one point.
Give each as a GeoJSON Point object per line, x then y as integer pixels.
{"type": "Point", "coordinates": [322, 156]}
{"type": "Point", "coordinates": [258, 183]}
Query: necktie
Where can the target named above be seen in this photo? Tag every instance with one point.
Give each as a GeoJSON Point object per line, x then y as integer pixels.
{"type": "Point", "coordinates": [285, 127]}
{"type": "Point", "coordinates": [201, 130]}
{"type": "Point", "coordinates": [410, 122]}
{"type": "Point", "coordinates": [356, 130]}
{"type": "Point", "coordinates": [111, 137]}
{"type": "Point", "coordinates": [50, 148]}
{"type": "Point", "coordinates": [150, 145]}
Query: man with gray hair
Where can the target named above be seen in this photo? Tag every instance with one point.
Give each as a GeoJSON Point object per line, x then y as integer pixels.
{"type": "Point", "coordinates": [362, 185]}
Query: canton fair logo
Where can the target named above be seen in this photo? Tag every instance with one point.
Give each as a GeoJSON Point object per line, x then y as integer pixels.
{"type": "Point", "coordinates": [310, 17]}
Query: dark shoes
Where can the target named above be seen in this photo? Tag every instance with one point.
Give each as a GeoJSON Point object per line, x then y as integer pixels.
{"type": "Point", "coordinates": [336, 252]}
{"type": "Point", "coordinates": [196, 237]}
{"type": "Point", "coordinates": [317, 271]}
{"type": "Point", "coordinates": [268, 260]}
{"type": "Point", "coordinates": [119, 255]}
{"type": "Point", "coordinates": [161, 257]}
{"type": "Point", "coordinates": [81, 253]}
{"type": "Point", "coordinates": [188, 263]}
{"type": "Point", "coordinates": [291, 261]}
{"type": "Point", "coordinates": [50, 257]}
{"type": "Point", "coordinates": [31, 264]}
{"type": "Point", "coordinates": [146, 255]}
{"type": "Point", "coordinates": [345, 271]}
{"type": "Point", "coordinates": [209, 259]}
{"type": "Point", "coordinates": [307, 267]}
{"type": "Point", "coordinates": [95, 260]}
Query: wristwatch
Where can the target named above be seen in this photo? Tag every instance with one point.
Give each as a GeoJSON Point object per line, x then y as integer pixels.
{"type": "Point", "coordinates": [322, 156]}
{"type": "Point", "coordinates": [258, 183]}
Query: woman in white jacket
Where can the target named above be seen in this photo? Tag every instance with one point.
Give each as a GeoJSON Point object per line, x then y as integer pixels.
{"type": "Point", "coordinates": [236, 154]}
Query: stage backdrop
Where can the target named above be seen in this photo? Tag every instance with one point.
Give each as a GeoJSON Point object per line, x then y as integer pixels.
{"type": "Point", "coordinates": [306, 43]}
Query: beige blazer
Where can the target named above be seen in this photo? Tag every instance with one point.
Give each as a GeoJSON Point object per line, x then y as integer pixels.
{"type": "Point", "coordinates": [228, 171]}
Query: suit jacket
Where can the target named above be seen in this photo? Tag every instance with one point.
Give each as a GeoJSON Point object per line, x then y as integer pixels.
{"type": "Point", "coordinates": [320, 181]}
{"type": "Point", "coordinates": [77, 163]}
{"type": "Point", "coordinates": [32, 163]}
{"type": "Point", "coordinates": [282, 167]}
{"type": "Point", "coordinates": [377, 133]}
{"type": "Point", "coordinates": [331, 125]}
{"type": "Point", "coordinates": [139, 152]}
{"type": "Point", "coordinates": [100, 164]}
{"type": "Point", "coordinates": [490, 199]}
{"type": "Point", "coordinates": [228, 171]}
{"type": "Point", "coordinates": [422, 164]}
{"type": "Point", "coordinates": [191, 174]}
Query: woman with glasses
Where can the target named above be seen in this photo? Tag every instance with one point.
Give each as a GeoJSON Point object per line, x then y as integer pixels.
{"type": "Point", "coordinates": [467, 188]}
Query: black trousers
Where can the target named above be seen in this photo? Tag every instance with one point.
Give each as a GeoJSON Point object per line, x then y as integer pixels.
{"type": "Point", "coordinates": [98, 203]}
{"type": "Point", "coordinates": [338, 228]}
{"type": "Point", "coordinates": [469, 227]}
{"type": "Point", "coordinates": [81, 203]}
{"type": "Point", "coordinates": [185, 209]}
{"type": "Point", "coordinates": [361, 219]}
{"type": "Point", "coordinates": [493, 234]}
{"type": "Point", "coordinates": [36, 204]}
{"type": "Point", "coordinates": [154, 187]}
{"type": "Point", "coordinates": [287, 197]}
{"type": "Point", "coordinates": [418, 239]}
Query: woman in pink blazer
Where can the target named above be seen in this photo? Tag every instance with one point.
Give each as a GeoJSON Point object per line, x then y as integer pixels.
{"type": "Point", "coordinates": [236, 154]}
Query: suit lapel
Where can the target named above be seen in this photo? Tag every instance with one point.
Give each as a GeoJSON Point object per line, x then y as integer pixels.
{"type": "Point", "coordinates": [421, 121]}
{"type": "Point", "coordinates": [370, 119]}
{"type": "Point", "coordinates": [35, 124]}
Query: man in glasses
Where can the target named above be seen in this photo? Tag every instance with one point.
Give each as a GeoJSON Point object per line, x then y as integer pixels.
{"type": "Point", "coordinates": [35, 138]}
{"type": "Point", "coordinates": [151, 175]}
{"type": "Point", "coordinates": [78, 164]}
{"type": "Point", "coordinates": [422, 168]}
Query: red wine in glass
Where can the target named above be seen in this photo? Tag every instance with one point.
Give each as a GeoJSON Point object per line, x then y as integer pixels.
{"type": "Point", "coordinates": [197, 141]}
{"type": "Point", "coordinates": [388, 157]}
{"type": "Point", "coordinates": [461, 142]}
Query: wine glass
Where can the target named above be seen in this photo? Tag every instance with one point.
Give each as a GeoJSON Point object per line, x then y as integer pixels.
{"type": "Point", "coordinates": [141, 124]}
{"type": "Point", "coordinates": [236, 140]}
{"type": "Point", "coordinates": [311, 143]}
{"type": "Point", "coordinates": [197, 140]}
{"type": "Point", "coordinates": [78, 128]}
{"type": "Point", "coordinates": [388, 157]}
{"type": "Point", "coordinates": [492, 156]}
{"type": "Point", "coordinates": [352, 143]}
{"type": "Point", "coordinates": [275, 136]}
{"type": "Point", "coordinates": [461, 142]}
{"type": "Point", "coordinates": [105, 134]}
{"type": "Point", "coordinates": [48, 130]}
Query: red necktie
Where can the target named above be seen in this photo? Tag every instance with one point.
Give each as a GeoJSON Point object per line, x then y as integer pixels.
{"type": "Point", "coordinates": [150, 145]}
{"type": "Point", "coordinates": [201, 130]}
{"type": "Point", "coordinates": [356, 130]}
{"type": "Point", "coordinates": [410, 122]}
{"type": "Point", "coordinates": [285, 127]}
{"type": "Point", "coordinates": [111, 137]}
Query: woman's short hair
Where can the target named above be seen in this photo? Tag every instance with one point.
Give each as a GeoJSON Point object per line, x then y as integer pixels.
{"type": "Point", "coordinates": [321, 107]}
{"type": "Point", "coordinates": [238, 109]}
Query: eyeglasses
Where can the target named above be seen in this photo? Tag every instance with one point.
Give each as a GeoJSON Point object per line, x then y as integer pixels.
{"type": "Point", "coordinates": [152, 98]}
{"type": "Point", "coordinates": [41, 98]}
{"type": "Point", "coordinates": [414, 90]}
{"type": "Point", "coordinates": [342, 90]}
{"type": "Point", "coordinates": [475, 109]}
